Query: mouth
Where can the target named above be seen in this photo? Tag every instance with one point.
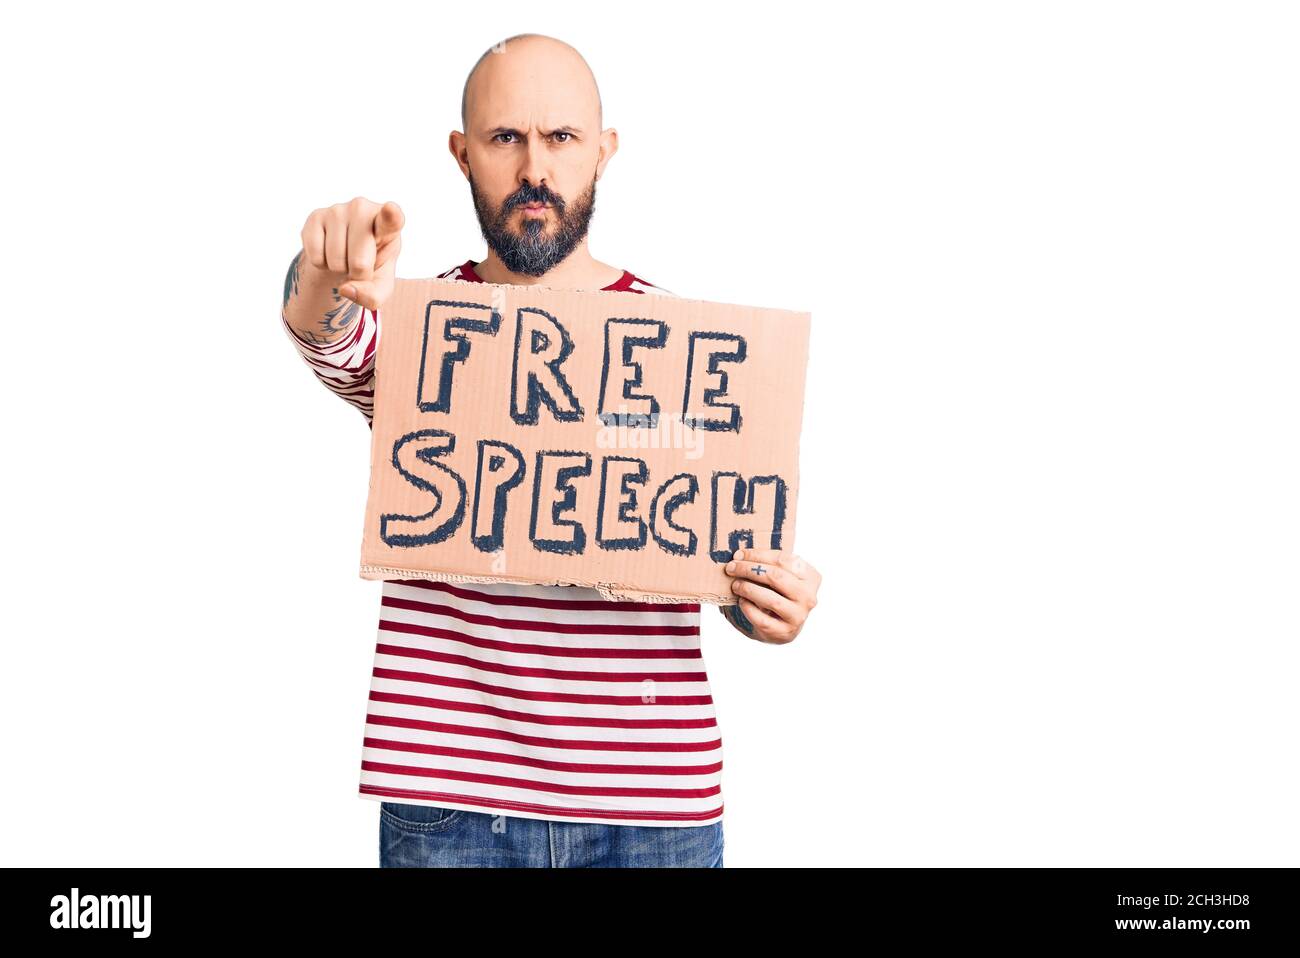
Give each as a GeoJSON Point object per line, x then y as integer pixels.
{"type": "Point", "coordinates": [535, 208]}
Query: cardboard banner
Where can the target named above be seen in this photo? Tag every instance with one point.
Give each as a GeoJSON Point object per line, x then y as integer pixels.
{"type": "Point", "coordinates": [625, 441]}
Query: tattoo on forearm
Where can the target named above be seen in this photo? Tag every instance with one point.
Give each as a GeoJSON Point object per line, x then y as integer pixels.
{"type": "Point", "coordinates": [738, 619]}
{"type": "Point", "coordinates": [291, 278]}
{"type": "Point", "coordinates": [335, 320]}
{"type": "Point", "coordinates": [340, 317]}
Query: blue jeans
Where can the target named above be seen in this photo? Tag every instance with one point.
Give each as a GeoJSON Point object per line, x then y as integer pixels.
{"type": "Point", "coordinates": [429, 836]}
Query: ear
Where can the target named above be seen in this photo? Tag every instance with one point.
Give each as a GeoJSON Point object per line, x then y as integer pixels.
{"type": "Point", "coordinates": [456, 143]}
{"type": "Point", "coordinates": [608, 147]}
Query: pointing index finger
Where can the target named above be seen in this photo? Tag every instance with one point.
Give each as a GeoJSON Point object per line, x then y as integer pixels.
{"type": "Point", "coordinates": [388, 222]}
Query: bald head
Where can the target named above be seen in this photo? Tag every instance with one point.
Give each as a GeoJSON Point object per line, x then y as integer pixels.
{"type": "Point", "coordinates": [534, 67]}
{"type": "Point", "coordinates": [532, 149]}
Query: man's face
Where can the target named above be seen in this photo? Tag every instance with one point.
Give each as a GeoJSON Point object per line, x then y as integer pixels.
{"type": "Point", "coordinates": [532, 151]}
{"type": "Point", "coordinates": [533, 228]}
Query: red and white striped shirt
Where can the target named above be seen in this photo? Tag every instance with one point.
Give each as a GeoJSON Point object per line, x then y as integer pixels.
{"type": "Point", "coordinates": [544, 702]}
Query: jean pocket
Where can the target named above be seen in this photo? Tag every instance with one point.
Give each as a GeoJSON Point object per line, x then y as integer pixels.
{"type": "Point", "coordinates": [420, 819]}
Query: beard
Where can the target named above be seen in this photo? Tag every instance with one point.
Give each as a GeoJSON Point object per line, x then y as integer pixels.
{"type": "Point", "coordinates": [535, 249]}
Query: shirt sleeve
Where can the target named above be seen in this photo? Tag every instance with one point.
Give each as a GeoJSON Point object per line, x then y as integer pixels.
{"type": "Point", "coordinates": [347, 365]}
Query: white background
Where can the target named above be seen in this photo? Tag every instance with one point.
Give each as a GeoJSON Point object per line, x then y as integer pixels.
{"type": "Point", "coordinates": [1050, 465]}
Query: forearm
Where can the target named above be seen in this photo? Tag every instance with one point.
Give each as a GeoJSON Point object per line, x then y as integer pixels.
{"type": "Point", "coordinates": [734, 615]}
{"type": "Point", "coordinates": [335, 337]}
{"type": "Point", "coordinates": [312, 306]}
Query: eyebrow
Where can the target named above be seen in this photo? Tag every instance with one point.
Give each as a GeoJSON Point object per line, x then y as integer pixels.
{"type": "Point", "coordinates": [559, 129]}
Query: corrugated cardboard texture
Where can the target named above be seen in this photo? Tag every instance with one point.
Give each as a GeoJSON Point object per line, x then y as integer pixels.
{"type": "Point", "coordinates": [489, 452]}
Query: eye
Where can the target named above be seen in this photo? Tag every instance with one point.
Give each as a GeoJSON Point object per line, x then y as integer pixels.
{"type": "Point", "coordinates": [564, 134]}
{"type": "Point", "coordinates": [497, 137]}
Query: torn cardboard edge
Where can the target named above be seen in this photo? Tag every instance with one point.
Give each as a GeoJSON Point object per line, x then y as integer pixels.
{"type": "Point", "coordinates": [614, 292]}
{"type": "Point", "coordinates": [608, 590]}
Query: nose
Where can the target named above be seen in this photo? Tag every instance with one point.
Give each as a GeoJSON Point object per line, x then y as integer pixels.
{"type": "Point", "coordinates": [534, 172]}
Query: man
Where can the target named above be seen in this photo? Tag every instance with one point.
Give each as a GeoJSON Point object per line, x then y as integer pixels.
{"type": "Point", "coordinates": [509, 725]}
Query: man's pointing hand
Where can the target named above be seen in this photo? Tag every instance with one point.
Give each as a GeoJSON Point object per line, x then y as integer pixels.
{"type": "Point", "coordinates": [357, 244]}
